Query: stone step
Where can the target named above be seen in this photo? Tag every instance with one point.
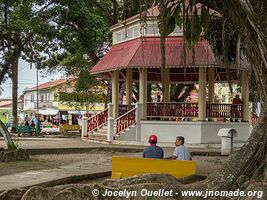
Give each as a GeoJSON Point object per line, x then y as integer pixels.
{"type": "Point", "coordinates": [97, 137]}
{"type": "Point", "coordinates": [101, 131]}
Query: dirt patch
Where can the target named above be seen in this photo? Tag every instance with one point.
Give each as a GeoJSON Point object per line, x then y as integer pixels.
{"type": "Point", "coordinates": [8, 168]}
{"type": "Point", "coordinates": [52, 161]}
{"type": "Point", "coordinates": [95, 156]}
{"type": "Point", "coordinates": [206, 165]}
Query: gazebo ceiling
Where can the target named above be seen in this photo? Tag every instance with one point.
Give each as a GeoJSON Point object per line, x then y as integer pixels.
{"type": "Point", "coordinates": [182, 75]}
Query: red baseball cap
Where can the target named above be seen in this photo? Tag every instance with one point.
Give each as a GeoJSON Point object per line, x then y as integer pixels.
{"type": "Point", "coordinates": [153, 139]}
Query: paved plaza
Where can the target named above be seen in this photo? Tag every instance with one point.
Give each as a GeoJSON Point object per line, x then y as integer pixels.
{"type": "Point", "coordinates": [65, 166]}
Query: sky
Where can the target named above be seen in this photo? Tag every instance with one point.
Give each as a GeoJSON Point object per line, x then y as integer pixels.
{"type": "Point", "coordinates": [26, 79]}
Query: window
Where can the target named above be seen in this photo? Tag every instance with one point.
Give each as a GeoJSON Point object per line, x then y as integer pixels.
{"type": "Point", "coordinates": [119, 37]}
{"type": "Point", "coordinates": [32, 97]}
{"type": "Point", "coordinates": [42, 98]}
{"type": "Point", "coordinates": [48, 97]}
{"type": "Point", "coordinates": [123, 35]}
{"type": "Point", "coordinates": [130, 33]}
{"type": "Point", "coordinates": [136, 31]}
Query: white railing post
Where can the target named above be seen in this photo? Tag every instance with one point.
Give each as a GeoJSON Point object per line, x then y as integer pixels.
{"type": "Point", "coordinates": [84, 127]}
{"type": "Point", "coordinates": [110, 110]}
{"type": "Point", "coordinates": [110, 129]}
{"type": "Point", "coordinates": [138, 117]}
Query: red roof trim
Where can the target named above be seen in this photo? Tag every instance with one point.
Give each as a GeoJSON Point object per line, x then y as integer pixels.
{"type": "Point", "coordinates": [49, 84]}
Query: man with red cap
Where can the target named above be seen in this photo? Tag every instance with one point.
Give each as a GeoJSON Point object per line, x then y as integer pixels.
{"type": "Point", "coordinates": [153, 151]}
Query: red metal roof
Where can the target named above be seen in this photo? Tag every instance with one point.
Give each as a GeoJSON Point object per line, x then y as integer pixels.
{"type": "Point", "coordinates": [145, 53]}
{"type": "Point", "coordinates": [5, 104]}
{"type": "Point", "coordinates": [49, 84]}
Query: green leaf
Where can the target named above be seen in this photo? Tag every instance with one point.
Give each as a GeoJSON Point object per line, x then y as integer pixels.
{"type": "Point", "coordinates": [177, 16]}
{"type": "Point", "coordinates": [205, 18]}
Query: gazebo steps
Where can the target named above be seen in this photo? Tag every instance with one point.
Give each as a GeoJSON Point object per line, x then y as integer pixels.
{"type": "Point", "coordinates": [129, 134]}
{"type": "Point", "coordinates": [97, 137]}
{"type": "Point", "coordinates": [101, 134]}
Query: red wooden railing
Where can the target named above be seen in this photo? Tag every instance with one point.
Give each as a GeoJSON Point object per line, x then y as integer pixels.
{"type": "Point", "coordinates": [216, 110]}
{"type": "Point", "coordinates": [125, 121]}
{"type": "Point", "coordinates": [191, 110]}
{"type": "Point", "coordinates": [253, 118]}
{"type": "Point", "coordinates": [97, 120]}
{"type": "Point", "coordinates": [172, 109]}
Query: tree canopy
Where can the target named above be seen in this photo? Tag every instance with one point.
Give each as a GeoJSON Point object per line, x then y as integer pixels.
{"type": "Point", "coordinates": [238, 34]}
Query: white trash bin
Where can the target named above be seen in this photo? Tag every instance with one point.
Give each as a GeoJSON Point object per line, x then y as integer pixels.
{"type": "Point", "coordinates": [227, 135]}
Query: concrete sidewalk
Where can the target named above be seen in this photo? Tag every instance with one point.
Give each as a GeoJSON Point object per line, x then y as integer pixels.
{"type": "Point", "coordinates": [62, 175]}
{"type": "Point", "coordinates": [44, 143]}
{"type": "Point", "coordinates": [39, 143]}
{"type": "Point", "coordinates": [77, 145]}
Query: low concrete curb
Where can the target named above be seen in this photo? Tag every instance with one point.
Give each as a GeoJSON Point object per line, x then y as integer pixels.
{"type": "Point", "coordinates": [81, 150]}
{"type": "Point", "coordinates": [73, 179]}
{"type": "Point", "coordinates": [109, 149]}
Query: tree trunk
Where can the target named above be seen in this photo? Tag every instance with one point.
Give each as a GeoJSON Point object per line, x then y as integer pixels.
{"type": "Point", "coordinates": [249, 161]}
{"type": "Point", "coordinates": [163, 66]}
{"type": "Point", "coordinates": [265, 171]}
{"type": "Point", "coordinates": [15, 90]}
{"type": "Point", "coordinates": [162, 48]}
{"type": "Point", "coordinates": [9, 143]}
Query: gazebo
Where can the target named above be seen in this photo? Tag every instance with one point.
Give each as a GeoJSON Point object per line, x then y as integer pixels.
{"type": "Point", "coordinates": [135, 58]}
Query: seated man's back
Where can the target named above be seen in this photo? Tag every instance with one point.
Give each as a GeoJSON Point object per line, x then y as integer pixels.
{"type": "Point", "coordinates": [153, 152]}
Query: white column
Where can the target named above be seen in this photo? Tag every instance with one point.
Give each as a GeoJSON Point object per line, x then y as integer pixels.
{"type": "Point", "coordinates": [138, 116]}
{"type": "Point", "coordinates": [129, 87]}
{"type": "Point", "coordinates": [202, 95]}
{"type": "Point", "coordinates": [115, 93]}
{"type": "Point", "coordinates": [166, 85]}
{"type": "Point", "coordinates": [84, 127]}
{"type": "Point", "coordinates": [245, 95]}
{"type": "Point", "coordinates": [143, 90]}
{"type": "Point", "coordinates": [211, 85]}
{"type": "Point", "coordinates": [110, 129]}
{"type": "Point", "coordinates": [110, 110]}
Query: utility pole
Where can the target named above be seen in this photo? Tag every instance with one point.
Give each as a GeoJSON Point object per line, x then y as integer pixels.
{"type": "Point", "coordinates": [37, 89]}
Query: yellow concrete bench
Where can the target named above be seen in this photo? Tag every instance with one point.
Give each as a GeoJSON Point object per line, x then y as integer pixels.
{"type": "Point", "coordinates": [124, 167]}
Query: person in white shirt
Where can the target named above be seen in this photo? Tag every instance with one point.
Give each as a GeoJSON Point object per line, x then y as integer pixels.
{"type": "Point", "coordinates": [181, 152]}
